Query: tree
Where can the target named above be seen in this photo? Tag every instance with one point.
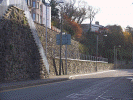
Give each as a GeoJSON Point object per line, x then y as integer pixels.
{"type": "Point", "coordinates": [130, 30]}
{"type": "Point", "coordinates": [78, 14]}
{"type": "Point", "coordinates": [72, 27]}
{"type": "Point", "coordinates": [91, 12]}
{"type": "Point", "coordinates": [54, 9]}
{"type": "Point", "coordinates": [54, 14]}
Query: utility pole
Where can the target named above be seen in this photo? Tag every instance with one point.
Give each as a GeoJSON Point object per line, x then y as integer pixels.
{"type": "Point", "coordinates": [60, 43]}
{"type": "Point", "coordinates": [96, 52]}
{"type": "Point", "coordinates": [46, 30]}
{"type": "Point", "coordinates": [114, 56]}
{"type": "Point", "coordinates": [66, 59]}
{"type": "Point", "coordinates": [132, 59]}
{"type": "Point", "coordinates": [47, 5]}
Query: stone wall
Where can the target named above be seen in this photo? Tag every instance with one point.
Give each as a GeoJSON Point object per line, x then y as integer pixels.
{"type": "Point", "coordinates": [20, 58]}
{"type": "Point", "coordinates": [51, 42]}
{"type": "Point", "coordinates": [76, 66]}
{"type": "Point", "coordinates": [53, 50]}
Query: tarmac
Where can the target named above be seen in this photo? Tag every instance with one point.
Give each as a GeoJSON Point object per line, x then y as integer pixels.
{"type": "Point", "coordinates": [22, 84]}
{"type": "Point", "coordinates": [51, 79]}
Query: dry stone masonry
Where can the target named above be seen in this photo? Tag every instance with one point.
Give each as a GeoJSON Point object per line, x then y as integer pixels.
{"type": "Point", "coordinates": [74, 65]}
{"type": "Point", "coordinates": [20, 58]}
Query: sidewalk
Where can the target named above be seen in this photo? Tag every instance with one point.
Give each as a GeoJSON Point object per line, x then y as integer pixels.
{"type": "Point", "coordinates": [20, 84]}
{"type": "Point", "coordinates": [51, 79]}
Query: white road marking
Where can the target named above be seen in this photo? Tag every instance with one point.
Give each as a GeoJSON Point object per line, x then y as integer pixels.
{"type": "Point", "coordinates": [100, 96]}
{"type": "Point", "coordinates": [130, 78]}
{"type": "Point", "coordinates": [77, 95]}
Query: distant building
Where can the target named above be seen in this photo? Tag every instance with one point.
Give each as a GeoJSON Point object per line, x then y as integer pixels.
{"type": "Point", "coordinates": [94, 28]}
{"type": "Point", "coordinates": [37, 10]}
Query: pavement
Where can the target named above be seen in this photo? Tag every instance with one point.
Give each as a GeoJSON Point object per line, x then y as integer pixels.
{"type": "Point", "coordinates": [51, 79]}
{"type": "Point", "coordinates": [104, 85]}
{"type": "Point", "coordinates": [20, 84]}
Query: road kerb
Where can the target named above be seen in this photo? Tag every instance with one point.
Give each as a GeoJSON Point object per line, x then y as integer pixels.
{"type": "Point", "coordinates": [73, 76]}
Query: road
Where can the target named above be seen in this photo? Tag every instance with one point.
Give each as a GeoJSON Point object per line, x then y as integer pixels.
{"type": "Point", "coordinates": [111, 85]}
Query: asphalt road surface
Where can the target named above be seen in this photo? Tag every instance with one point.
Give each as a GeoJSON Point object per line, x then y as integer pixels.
{"type": "Point", "coordinates": [111, 85]}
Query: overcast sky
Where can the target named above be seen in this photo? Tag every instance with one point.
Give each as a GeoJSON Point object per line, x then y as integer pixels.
{"type": "Point", "coordinates": [119, 12]}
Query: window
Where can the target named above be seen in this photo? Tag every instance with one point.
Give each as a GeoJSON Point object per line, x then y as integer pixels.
{"type": "Point", "coordinates": [40, 19]}
{"type": "Point", "coordinates": [26, 1]}
{"type": "Point", "coordinates": [34, 4]}
{"type": "Point", "coordinates": [38, 5]}
{"type": "Point", "coordinates": [34, 17]}
{"type": "Point", "coordinates": [37, 17]}
{"type": "Point", "coordinates": [41, 8]}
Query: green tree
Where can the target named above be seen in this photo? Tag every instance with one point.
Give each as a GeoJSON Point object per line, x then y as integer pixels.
{"type": "Point", "coordinates": [54, 9]}
{"type": "Point", "coordinates": [55, 21]}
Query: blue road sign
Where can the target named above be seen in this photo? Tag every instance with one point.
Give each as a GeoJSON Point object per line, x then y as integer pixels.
{"type": "Point", "coordinates": [66, 39]}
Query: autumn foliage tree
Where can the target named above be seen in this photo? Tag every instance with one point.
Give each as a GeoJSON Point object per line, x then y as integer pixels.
{"type": "Point", "coordinates": [72, 27]}
{"type": "Point", "coordinates": [117, 36]}
{"type": "Point", "coordinates": [128, 45]}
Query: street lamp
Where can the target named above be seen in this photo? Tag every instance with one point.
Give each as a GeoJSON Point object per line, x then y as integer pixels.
{"type": "Point", "coordinates": [48, 5]}
{"type": "Point", "coordinates": [97, 50]}
{"type": "Point", "coordinates": [60, 42]}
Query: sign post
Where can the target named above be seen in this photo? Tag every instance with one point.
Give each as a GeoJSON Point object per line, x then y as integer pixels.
{"type": "Point", "coordinates": [66, 40]}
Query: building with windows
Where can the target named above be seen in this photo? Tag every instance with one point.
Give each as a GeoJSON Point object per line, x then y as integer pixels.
{"type": "Point", "coordinates": [94, 28]}
{"type": "Point", "coordinates": [38, 12]}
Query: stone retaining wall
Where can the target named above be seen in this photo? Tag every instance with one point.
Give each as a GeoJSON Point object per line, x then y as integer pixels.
{"type": "Point", "coordinates": [75, 66]}
{"type": "Point", "coordinates": [51, 42]}
{"type": "Point", "coordinates": [20, 58]}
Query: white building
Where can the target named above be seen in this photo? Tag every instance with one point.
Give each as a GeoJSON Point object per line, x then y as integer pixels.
{"type": "Point", "coordinates": [37, 10]}
{"type": "Point", "coordinates": [94, 28]}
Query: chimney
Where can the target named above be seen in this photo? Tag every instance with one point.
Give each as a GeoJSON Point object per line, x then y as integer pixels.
{"type": "Point", "coordinates": [97, 22]}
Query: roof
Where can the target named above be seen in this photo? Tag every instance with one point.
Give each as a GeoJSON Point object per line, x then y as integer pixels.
{"type": "Point", "coordinates": [94, 25]}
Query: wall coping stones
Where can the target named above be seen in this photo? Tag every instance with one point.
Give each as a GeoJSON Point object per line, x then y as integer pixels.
{"type": "Point", "coordinates": [82, 60]}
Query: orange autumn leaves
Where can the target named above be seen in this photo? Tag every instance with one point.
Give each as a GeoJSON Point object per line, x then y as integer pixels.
{"type": "Point", "coordinates": [73, 26]}
{"type": "Point", "coordinates": [128, 37]}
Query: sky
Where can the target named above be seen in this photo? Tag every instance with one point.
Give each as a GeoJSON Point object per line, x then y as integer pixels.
{"type": "Point", "coordinates": [119, 12]}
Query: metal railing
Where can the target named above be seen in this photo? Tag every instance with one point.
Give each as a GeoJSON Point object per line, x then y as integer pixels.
{"type": "Point", "coordinates": [21, 4]}
{"type": "Point", "coordinates": [72, 55]}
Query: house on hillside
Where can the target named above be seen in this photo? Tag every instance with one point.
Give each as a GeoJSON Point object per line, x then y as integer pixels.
{"type": "Point", "coordinates": [94, 28]}
{"type": "Point", "coordinates": [37, 10]}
